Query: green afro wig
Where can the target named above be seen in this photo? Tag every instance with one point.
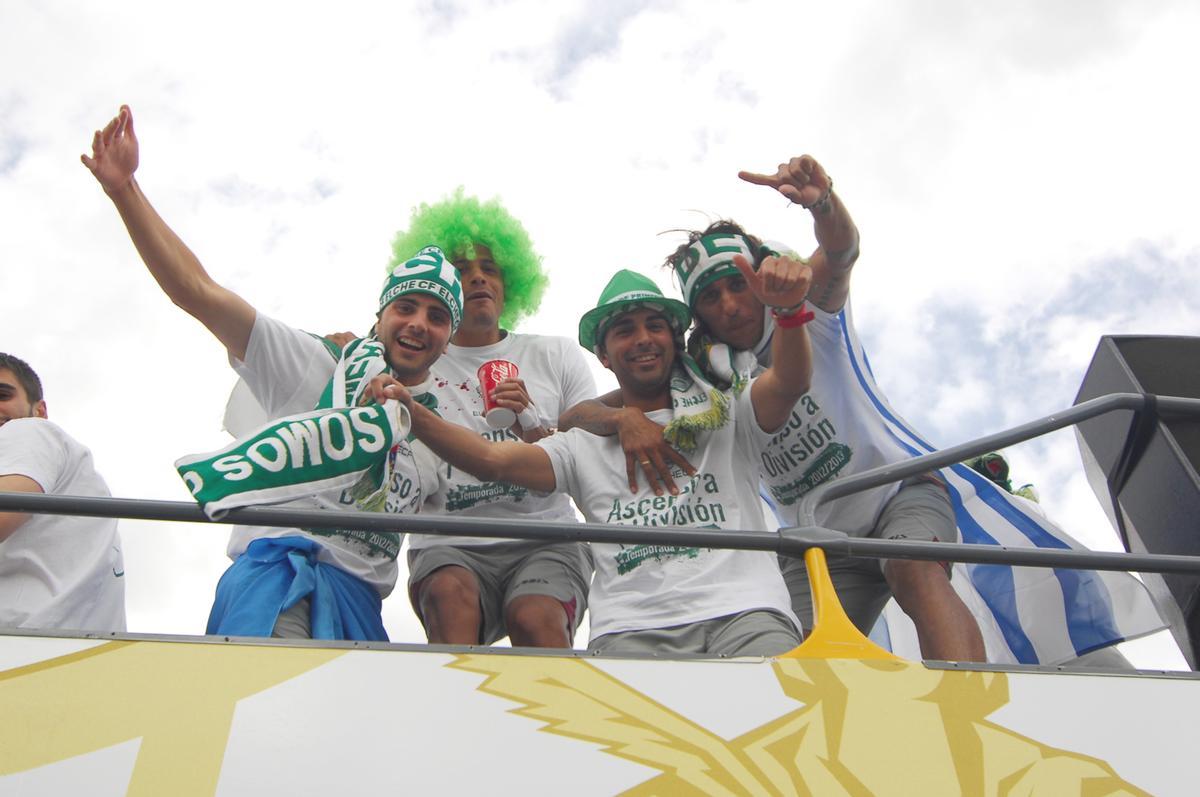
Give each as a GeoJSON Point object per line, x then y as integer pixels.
{"type": "Point", "coordinates": [459, 222]}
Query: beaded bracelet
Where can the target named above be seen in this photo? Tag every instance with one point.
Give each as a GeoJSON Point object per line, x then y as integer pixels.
{"type": "Point", "coordinates": [792, 317]}
{"type": "Point", "coordinates": [822, 204]}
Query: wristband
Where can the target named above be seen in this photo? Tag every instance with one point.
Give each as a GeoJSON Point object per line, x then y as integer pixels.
{"type": "Point", "coordinates": [795, 317]}
{"type": "Point", "coordinates": [822, 204]}
{"type": "Point", "coordinates": [787, 311]}
{"type": "Point", "coordinates": [529, 418]}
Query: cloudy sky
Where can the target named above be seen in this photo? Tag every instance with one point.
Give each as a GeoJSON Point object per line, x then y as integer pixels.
{"type": "Point", "coordinates": [1023, 175]}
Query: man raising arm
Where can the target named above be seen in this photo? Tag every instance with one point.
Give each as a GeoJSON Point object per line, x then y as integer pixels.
{"type": "Point", "coordinates": [834, 430]}
{"type": "Point", "coordinates": [264, 592]}
{"type": "Point", "coordinates": [178, 272]}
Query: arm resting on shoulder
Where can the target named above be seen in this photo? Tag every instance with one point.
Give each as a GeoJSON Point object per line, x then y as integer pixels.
{"type": "Point", "coordinates": [15, 483]}
{"type": "Point", "coordinates": [641, 440]}
{"type": "Point", "coordinates": [600, 416]}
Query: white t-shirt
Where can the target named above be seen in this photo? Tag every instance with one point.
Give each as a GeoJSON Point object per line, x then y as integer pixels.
{"type": "Point", "coordinates": [59, 571]}
{"type": "Point", "coordinates": [287, 370]}
{"type": "Point", "coordinates": [654, 586]}
{"type": "Point", "coordinates": [833, 431]}
{"type": "Point", "coordinates": [557, 378]}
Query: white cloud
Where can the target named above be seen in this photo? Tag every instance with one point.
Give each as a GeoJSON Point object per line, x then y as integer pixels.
{"type": "Point", "coordinates": [1021, 175]}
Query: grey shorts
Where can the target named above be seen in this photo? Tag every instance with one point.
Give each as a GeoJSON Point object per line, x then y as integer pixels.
{"type": "Point", "coordinates": [920, 510]}
{"type": "Point", "coordinates": [761, 632]}
{"type": "Point", "coordinates": [508, 570]}
{"type": "Point", "coordinates": [294, 623]}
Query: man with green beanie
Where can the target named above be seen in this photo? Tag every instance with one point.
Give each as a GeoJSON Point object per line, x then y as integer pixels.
{"type": "Point", "coordinates": [471, 590]}
{"type": "Point", "coordinates": [294, 582]}
{"type": "Point", "coordinates": [653, 597]}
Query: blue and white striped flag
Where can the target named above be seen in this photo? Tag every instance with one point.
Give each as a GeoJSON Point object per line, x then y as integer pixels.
{"type": "Point", "coordinates": [1027, 615]}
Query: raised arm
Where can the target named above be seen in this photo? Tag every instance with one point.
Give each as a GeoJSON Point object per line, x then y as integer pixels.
{"type": "Point", "coordinates": [781, 283]}
{"type": "Point", "coordinates": [522, 464]}
{"type": "Point", "coordinates": [804, 182]}
{"type": "Point", "coordinates": [641, 439]}
{"type": "Point", "coordinates": [172, 264]}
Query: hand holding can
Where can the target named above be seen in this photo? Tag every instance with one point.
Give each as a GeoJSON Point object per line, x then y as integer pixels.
{"type": "Point", "coordinates": [491, 374]}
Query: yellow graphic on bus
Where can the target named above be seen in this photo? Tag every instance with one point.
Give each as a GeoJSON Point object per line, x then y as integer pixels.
{"type": "Point", "coordinates": [178, 698]}
{"type": "Point", "coordinates": [866, 728]}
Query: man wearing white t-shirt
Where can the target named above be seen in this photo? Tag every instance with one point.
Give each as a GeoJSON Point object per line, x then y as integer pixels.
{"type": "Point", "coordinates": [55, 571]}
{"type": "Point", "coordinates": [471, 590]}
{"type": "Point", "coordinates": [653, 597]}
{"type": "Point", "coordinates": [835, 429]}
{"type": "Point", "coordinates": [283, 581]}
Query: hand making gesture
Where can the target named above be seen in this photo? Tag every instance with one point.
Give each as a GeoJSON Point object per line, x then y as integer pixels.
{"type": "Point", "coordinates": [114, 153]}
{"type": "Point", "coordinates": [802, 180]}
{"type": "Point", "coordinates": [780, 283]}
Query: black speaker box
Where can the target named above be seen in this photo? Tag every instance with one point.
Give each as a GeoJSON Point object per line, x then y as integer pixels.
{"type": "Point", "coordinates": [1145, 475]}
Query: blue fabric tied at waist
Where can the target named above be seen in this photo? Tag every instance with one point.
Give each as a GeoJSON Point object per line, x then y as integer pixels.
{"type": "Point", "coordinates": [274, 574]}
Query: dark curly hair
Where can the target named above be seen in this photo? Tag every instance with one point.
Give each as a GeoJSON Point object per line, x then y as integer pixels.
{"type": "Point", "coordinates": [718, 227]}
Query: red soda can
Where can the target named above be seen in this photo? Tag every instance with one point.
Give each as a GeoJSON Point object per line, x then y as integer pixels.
{"type": "Point", "coordinates": [492, 373]}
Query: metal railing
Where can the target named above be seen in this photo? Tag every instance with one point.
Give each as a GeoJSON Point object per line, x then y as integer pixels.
{"type": "Point", "coordinates": [790, 541]}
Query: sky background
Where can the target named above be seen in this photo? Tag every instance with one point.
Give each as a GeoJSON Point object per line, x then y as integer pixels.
{"type": "Point", "coordinates": [1023, 176]}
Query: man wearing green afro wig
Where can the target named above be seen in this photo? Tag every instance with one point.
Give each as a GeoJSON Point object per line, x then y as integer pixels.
{"type": "Point", "coordinates": [469, 590]}
{"type": "Point", "coordinates": [467, 229]}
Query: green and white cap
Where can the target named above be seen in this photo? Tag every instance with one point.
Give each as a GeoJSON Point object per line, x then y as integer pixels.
{"type": "Point", "coordinates": [625, 292]}
{"type": "Point", "coordinates": [709, 259]}
{"type": "Point", "coordinates": [426, 272]}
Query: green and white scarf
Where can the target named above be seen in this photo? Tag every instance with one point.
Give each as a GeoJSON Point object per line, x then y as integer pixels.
{"type": "Point", "coordinates": [342, 444]}
{"type": "Point", "coordinates": [698, 405]}
{"type": "Point", "coordinates": [715, 370]}
{"type": "Point", "coordinates": [707, 260]}
{"type": "Point", "coordinates": [726, 367]}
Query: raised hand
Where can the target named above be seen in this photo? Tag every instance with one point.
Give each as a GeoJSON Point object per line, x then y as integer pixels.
{"type": "Point", "coordinates": [802, 180]}
{"type": "Point", "coordinates": [780, 282]}
{"type": "Point", "coordinates": [114, 153]}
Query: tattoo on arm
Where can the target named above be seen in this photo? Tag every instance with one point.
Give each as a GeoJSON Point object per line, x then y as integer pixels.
{"type": "Point", "coordinates": [844, 258]}
{"type": "Point", "coordinates": [593, 415]}
{"type": "Point", "coordinates": [822, 294]}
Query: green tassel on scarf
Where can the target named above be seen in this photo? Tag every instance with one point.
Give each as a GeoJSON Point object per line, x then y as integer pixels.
{"type": "Point", "coordinates": [698, 405]}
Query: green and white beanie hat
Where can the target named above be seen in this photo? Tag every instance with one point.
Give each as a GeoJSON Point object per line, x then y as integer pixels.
{"type": "Point", "coordinates": [426, 272]}
{"type": "Point", "coordinates": [709, 259]}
